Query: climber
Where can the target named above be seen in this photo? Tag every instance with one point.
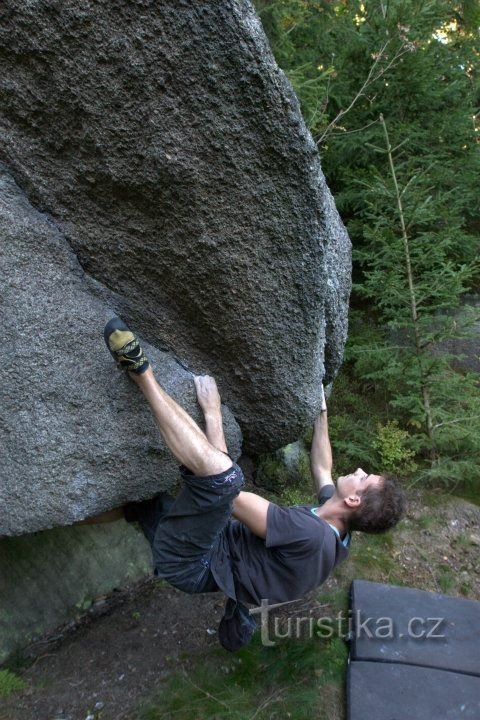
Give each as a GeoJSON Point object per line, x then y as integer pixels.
{"type": "Point", "coordinates": [266, 551]}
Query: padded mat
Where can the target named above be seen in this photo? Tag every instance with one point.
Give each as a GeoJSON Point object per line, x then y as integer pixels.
{"type": "Point", "coordinates": [404, 625]}
{"type": "Point", "coordinates": [391, 691]}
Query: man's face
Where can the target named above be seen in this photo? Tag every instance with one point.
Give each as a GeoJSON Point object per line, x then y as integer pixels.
{"type": "Point", "coordinates": [354, 484]}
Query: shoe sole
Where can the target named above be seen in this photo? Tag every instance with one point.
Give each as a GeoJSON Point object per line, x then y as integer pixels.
{"type": "Point", "coordinates": [119, 349]}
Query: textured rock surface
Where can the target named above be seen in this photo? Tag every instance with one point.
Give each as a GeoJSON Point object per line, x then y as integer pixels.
{"type": "Point", "coordinates": [77, 437]}
{"type": "Point", "coordinates": [49, 578]}
{"type": "Point", "coordinates": [170, 148]}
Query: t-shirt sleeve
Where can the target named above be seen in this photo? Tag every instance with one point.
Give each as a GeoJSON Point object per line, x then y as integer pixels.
{"type": "Point", "coordinates": [291, 528]}
{"type": "Point", "coordinates": [326, 493]}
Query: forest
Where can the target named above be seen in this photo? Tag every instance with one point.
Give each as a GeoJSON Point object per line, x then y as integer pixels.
{"type": "Point", "coordinates": [390, 91]}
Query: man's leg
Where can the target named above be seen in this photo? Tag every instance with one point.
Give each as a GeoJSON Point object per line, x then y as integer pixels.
{"type": "Point", "coordinates": [187, 535]}
{"type": "Point", "coordinates": [174, 432]}
{"type": "Point", "coordinates": [182, 435]}
{"type": "Point", "coordinates": [184, 536]}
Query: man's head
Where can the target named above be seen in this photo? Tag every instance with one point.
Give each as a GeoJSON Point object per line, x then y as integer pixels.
{"type": "Point", "coordinates": [375, 503]}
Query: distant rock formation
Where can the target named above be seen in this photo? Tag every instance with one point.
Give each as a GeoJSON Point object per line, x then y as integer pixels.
{"type": "Point", "coordinates": [165, 145]}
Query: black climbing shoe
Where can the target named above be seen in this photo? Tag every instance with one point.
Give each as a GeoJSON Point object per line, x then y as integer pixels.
{"type": "Point", "coordinates": [124, 346]}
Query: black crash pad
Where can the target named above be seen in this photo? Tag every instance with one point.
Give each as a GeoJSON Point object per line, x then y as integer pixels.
{"type": "Point", "coordinates": [391, 691]}
{"type": "Point", "coordinates": [401, 625]}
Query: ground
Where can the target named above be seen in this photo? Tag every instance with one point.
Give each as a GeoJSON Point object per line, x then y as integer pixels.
{"type": "Point", "coordinates": [152, 652]}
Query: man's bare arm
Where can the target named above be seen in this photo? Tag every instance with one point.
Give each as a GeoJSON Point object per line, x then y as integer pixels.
{"type": "Point", "coordinates": [209, 400]}
{"type": "Point", "coordinates": [321, 454]}
{"type": "Point", "coordinates": [252, 509]}
{"type": "Point", "coordinates": [249, 508]}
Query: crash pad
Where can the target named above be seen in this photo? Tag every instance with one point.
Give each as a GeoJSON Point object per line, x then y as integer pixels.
{"type": "Point", "coordinates": [393, 691]}
{"type": "Point", "coordinates": [414, 627]}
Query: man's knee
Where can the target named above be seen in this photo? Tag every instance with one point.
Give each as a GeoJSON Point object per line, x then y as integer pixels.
{"type": "Point", "coordinates": [215, 462]}
{"type": "Point", "coordinates": [228, 483]}
{"type": "Point", "coordinates": [235, 478]}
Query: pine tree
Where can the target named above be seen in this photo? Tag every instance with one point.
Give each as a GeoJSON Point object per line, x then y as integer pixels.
{"type": "Point", "coordinates": [414, 285]}
{"type": "Point", "coordinates": [413, 62]}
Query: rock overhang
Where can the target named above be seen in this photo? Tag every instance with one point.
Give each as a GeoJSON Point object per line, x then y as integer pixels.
{"type": "Point", "coordinates": [169, 150]}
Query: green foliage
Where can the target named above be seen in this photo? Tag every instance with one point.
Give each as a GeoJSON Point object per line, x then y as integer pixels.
{"type": "Point", "coordinates": [426, 522]}
{"type": "Point", "coordinates": [296, 495]}
{"type": "Point", "coordinates": [413, 281]}
{"type": "Point", "coordinates": [355, 410]}
{"type": "Point", "coordinates": [272, 473]}
{"type": "Point", "coordinates": [391, 445]}
{"type": "Point", "coordinates": [373, 557]}
{"type": "Point", "coordinates": [10, 683]}
{"type": "Point", "coordinates": [445, 579]}
{"type": "Point", "coordinates": [285, 680]}
{"type": "Point", "coordinates": [287, 474]}
{"type": "Point", "coordinates": [414, 62]}
{"type": "Point", "coordinates": [471, 492]}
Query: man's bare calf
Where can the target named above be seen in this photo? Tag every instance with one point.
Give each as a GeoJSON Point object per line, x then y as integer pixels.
{"type": "Point", "coordinates": [203, 454]}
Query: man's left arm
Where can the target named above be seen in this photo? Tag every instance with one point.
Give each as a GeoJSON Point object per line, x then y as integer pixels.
{"type": "Point", "coordinates": [209, 400]}
{"type": "Point", "coordinates": [252, 509]}
{"type": "Point", "coordinates": [321, 462]}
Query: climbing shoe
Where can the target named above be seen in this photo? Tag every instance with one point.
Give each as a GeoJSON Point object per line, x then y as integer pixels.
{"type": "Point", "coordinates": [124, 346]}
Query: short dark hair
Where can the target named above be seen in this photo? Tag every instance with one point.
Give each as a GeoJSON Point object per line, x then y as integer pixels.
{"type": "Point", "coordinates": [381, 508]}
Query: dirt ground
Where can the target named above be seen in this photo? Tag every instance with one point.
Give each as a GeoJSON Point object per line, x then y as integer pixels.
{"type": "Point", "coordinates": [132, 641]}
{"type": "Point", "coordinates": [126, 646]}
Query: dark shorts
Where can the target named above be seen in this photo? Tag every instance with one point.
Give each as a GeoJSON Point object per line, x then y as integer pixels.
{"type": "Point", "coordinates": [184, 531]}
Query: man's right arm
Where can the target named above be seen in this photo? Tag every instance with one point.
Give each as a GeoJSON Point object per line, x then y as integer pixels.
{"type": "Point", "coordinates": [209, 400]}
{"type": "Point", "coordinates": [251, 510]}
{"type": "Point", "coordinates": [321, 454]}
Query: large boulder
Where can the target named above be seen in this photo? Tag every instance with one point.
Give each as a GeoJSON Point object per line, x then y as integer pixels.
{"type": "Point", "coordinates": [77, 437]}
{"type": "Point", "coordinates": [50, 578]}
{"type": "Point", "coordinates": [170, 149]}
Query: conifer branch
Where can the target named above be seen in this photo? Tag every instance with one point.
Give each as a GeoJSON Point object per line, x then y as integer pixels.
{"type": "Point", "coordinates": [413, 300]}
{"type": "Point", "coordinates": [374, 74]}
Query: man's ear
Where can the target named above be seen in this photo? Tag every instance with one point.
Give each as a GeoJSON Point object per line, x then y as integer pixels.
{"type": "Point", "coordinates": [353, 501]}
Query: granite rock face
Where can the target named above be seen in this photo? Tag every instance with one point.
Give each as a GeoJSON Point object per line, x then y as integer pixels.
{"type": "Point", "coordinates": [77, 437]}
{"type": "Point", "coordinates": [170, 150]}
{"type": "Point", "coordinates": [48, 578]}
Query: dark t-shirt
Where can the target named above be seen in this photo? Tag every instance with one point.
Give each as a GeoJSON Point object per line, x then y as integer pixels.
{"type": "Point", "coordinates": [297, 555]}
